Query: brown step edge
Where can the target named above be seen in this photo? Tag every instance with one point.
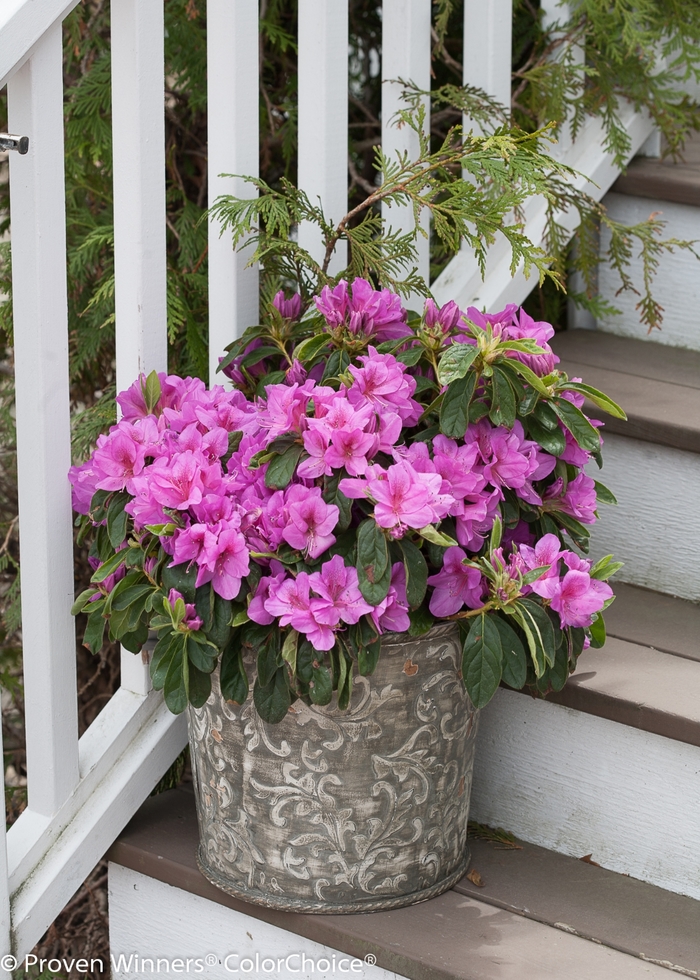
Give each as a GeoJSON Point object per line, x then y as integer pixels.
{"type": "Point", "coordinates": [657, 386]}
{"type": "Point", "coordinates": [459, 935]}
{"type": "Point", "coordinates": [664, 180]}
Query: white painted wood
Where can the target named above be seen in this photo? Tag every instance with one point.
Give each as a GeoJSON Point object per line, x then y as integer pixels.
{"type": "Point", "coordinates": [488, 35]}
{"type": "Point", "coordinates": [22, 24]}
{"type": "Point", "coordinates": [461, 279]}
{"type": "Point", "coordinates": [122, 756]}
{"type": "Point", "coordinates": [579, 784]}
{"type": "Point", "coordinates": [138, 133]}
{"type": "Point", "coordinates": [138, 126]}
{"type": "Point", "coordinates": [553, 12]}
{"type": "Point", "coordinates": [5, 921]}
{"type": "Point", "coordinates": [406, 56]}
{"type": "Point", "coordinates": [152, 919]}
{"type": "Point", "coordinates": [655, 527]}
{"type": "Point", "coordinates": [43, 425]}
{"type": "Point", "coordinates": [323, 119]}
{"type": "Point", "coordinates": [677, 283]}
{"type": "Point", "coordinates": [149, 919]}
{"type": "Point", "coordinates": [232, 92]}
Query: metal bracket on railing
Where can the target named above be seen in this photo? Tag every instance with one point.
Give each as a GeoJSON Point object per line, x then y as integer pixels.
{"type": "Point", "coordinates": [9, 142]}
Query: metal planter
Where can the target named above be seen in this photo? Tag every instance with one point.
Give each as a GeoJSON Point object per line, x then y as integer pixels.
{"type": "Point", "coordinates": [342, 811]}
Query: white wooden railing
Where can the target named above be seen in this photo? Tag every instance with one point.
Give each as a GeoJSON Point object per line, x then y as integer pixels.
{"type": "Point", "coordinates": [81, 792]}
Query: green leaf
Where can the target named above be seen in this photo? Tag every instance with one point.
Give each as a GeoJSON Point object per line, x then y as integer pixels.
{"type": "Point", "coordinates": [454, 411]}
{"type": "Point", "coordinates": [546, 416]}
{"type": "Point", "coordinates": [269, 659]}
{"type": "Point", "coordinates": [597, 631]}
{"type": "Point", "coordinates": [532, 379]}
{"type": "Point", "coordinates": [233, 677]}
{"type": "Point", "coordinates": [416, 573]}
{"type": "Point", "coordinates": [421, 621]}
{"type": "Point", "coordinates": [289, 650]}
{"type": "Point", "coordinates": [182, 578]}
{"type": "Point", "coordinates": [94, 632]}
{"type": "Point", "coordinates": [456, 361]}
{"type": "Point", "coordinates": [201, 655]}
{"type": "Point", "coordinates": [436, 537]}
{"type": "Point", "coordinates": [308, 349]}
{"type": "Point", "coordinates": [332, 495]}
{"type": "Point", "coordinates": [482, 660]}
{"type": "Point", "coordinates": [117, 519]}
{"type": "Point", "coordinates": [552, 440]}
{"type": "Point", "coordinates": [514, 656]}
{"type": "Point", "coordinates": [578, 533]}
{"type": "Point", "coordinates": [215, 614]}
{"type": "Point", "coordinates": [539, 632]}
{"type": "Point", "coordinates": [597, 397]}
{"type": "Point", "coordinates": [272, 700]}
{"type": "Point", "coordinates": [321, 686]}
{"type": "Point", "coordinates": [281, 468]}
{"type": "Point", "coordinates": [496, 534]}
{"type": "Point", "coordinates": [410, 357]}
{"type": "Point", "coordinates": [502, 399]}
{"type": "Point", "coordinates": [199, 687]}
{"type": "Point", "coordinates": [134, 640]}
{"type": "Point", "coordinates": [345, 684]}
{"type": "Point", "coordinates": [110, 566]}
{"type": "Point", "coordinates": [534, 574]}
{"type": "Point", "coordinates": [605, 568]}
{"type": "Point", "coordinates": [152, 391]}
{"type": "Point", "coordinates": [368, 657]}
{"type": "Point", "coordinates": [175, 686]}
{"type": "Point", "coordinates": [83, 601]}
{"type": "Point", "coordinates": [602, 493]}
{"type": "Point", "coordinates": [164, 651]}
{"type": "Point", "coordinates": [373, 568]}
{"type": "Point", "coordinates": [578, 425]}
{"type": "Point", "coordinates": [126, 597]}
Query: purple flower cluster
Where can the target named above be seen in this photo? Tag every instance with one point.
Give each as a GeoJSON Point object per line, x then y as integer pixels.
{"type": "Point", "coordinates": [204, 491]}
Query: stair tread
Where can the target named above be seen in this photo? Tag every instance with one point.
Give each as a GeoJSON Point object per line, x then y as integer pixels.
{"type": "Point", "coordinates": [655, 620]}
{"type": "Point", "coordinates": [664, 180]}
{"type": "Point", "coordinates": [595, 903]}
{"type": "Point", "coordinates": [462, 935]}
{"type": "Point", "coordinates": [658, 386]}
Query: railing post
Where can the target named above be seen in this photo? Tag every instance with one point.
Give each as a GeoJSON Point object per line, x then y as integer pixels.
{"type": "Point", "coordinates": [323, 118]}
{"type": "Point", "coordinates": [138, 126]}
{"type": "Point", "coordinates": [38, 220]}
{"type": "Point", "coordinates": [405, 55]}
{"type": "Point", "coordinates": [488, 39]}
{"type": "Point", "coordinates": [233, 122]}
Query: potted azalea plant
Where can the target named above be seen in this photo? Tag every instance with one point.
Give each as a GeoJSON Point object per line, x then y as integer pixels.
{"type": "Point", "coordinates": [373, 487]}
{"type": "Point", "coordinates": [337, 556]}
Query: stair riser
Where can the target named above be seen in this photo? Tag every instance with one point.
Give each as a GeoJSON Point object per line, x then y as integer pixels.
{"type": "Point", "coordinates": [655, 528]}
{"type": "Point", "coordinates": [579, 785]}
{"type": "Point", "coordinates": [677, 282]}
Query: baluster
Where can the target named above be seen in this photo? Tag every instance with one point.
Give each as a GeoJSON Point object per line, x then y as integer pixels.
{"type": "Point", "coordinates": [406, 26]}
{"type": "Point", "coordinates": [138, 126]}
{"type": "Point", "coordinates": [323, 118]}
{"type": "Point", "coordinates": [232, 69]}
{"type": "Point", "coordinates": [488, 38]}
{"type": "Point", "coordinates": [38, 220]}
{"type": "Point", "coordinates": [5, 916]}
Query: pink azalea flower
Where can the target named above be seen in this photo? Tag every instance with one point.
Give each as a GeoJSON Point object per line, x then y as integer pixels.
{"type": "Point", "coordinates": [310, 521]}
{"type": "Point", "coordinates": [191, 620]}
{"type": "Point", "coordinates": [350, 449]}
{"type": "Point", "coordinates": [290, 601]}
{"type": "Point", "coordinates": [579, 598]}
{"type": "Point", "coordinates": [289, 308]}
{"type": "Point", "coordinates": [225, 563]}
{"type": "Point", "coordinates": [339, 594]}
{"type": "Point", "coordinates": [455, 585]}
{"type": "Point", "coordinates": [382, 381]}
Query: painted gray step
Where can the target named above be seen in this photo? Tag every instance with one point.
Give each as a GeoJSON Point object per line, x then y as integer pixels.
{"type": "Point", "coordinates": [453, 937]}
{"type": "Point", "coordinates": [589, 901]}
{"type": "Point", "coordinates": [655, 620]}
{"type": "Point", "coordinates": [658, 387]}
{"type": "Point", "coordinates": [664, 180]}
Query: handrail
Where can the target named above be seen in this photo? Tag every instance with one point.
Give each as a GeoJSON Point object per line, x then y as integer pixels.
{"type": "Point", "coordinates": [22, 24]}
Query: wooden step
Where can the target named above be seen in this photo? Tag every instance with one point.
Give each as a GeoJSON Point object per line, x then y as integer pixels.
{"type": "Point", "coordinates": [671, 191]}
{"type": "Point", "coordinates": [610, 764]}
{"type": "Point", "coordinates": [532, 920]}
{"type": "Point", "coordinates": [658, 387]}
{"type": "Point", "coordinates": [652, 461]}
{"type": "Point", "coordinates": [664, 180]}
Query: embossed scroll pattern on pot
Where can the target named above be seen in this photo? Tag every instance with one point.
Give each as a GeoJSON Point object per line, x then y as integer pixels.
{"type": "Point", "coordinates": [342, 811]}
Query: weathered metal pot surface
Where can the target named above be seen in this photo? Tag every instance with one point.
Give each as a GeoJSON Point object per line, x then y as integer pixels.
{"type": "Point", "coordinates": [342, 811]}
